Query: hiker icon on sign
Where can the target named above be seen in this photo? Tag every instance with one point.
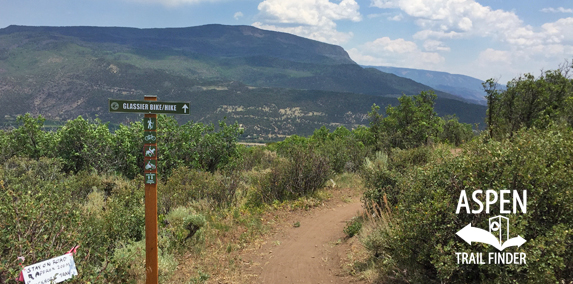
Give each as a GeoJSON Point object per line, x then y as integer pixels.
{"type": "Point", "coordinates": [150, 123]}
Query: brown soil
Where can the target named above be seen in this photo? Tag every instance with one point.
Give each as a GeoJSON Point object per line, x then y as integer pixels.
{"type": "Point", "coordinates": [315, 252]}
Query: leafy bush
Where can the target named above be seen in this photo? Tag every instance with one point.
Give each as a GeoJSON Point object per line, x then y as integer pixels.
{"type": "Point", "coordinates": [402, 160]}
{"type": "Point", "coordinates": [257, 158]}
{"type": "Point", "coordinates": [381, 175]}
{"type": "Point", "coordinates": [129, 263]}
{"type": "Point", "coordinates": [46, 212]}
{"type": "Point", "coordinates": [454, 132]}
{"type": "Point", "coordinates": [378, 180]}
{"type": "Point", "coordinates": [302, 173]}
{"type": "Point", "coordinates": [184, 227]}
{"type": "Point", "coordinates": [36, 224]}
{"type": "Point", "coordinates": [197, 146]}
{"type": "Point", "coordinates": [410, 124]}
{"type": "Point", "coordinates": [530, 102]}
{"type": "Point", "coordinates": [343, 151]}
{"type": "Point", "coordinates": [188, 185]}
{"type": "Point", "coordinates": [84, 145]}
{"type": "Point", "coordinates": [419, 242]}
{"type": "Point", "coordinates": [353, 227]}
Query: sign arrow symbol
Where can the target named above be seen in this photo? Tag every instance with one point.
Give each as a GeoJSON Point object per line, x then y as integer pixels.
{"type": "Point", "coordinates": [472, 234]}
{"type": "Point", "coordinates": [517, 241]}
{"type": "Point", "coordinates": [185, 107]}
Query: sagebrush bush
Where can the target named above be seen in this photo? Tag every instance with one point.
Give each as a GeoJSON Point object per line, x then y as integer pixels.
{"type": "Point", "coordinates": [43, 216]}
{"type": "Point", "coordinates": [381, 174]}
{"type": "Point", "coordinates": [184, 228]}
{"type": "Point", "coordinates": [257, 158]}
{"type": "Point", "coordinates": [419, 243]}
{"type": "Point", "coordinates": [302, 173]}
{"type": "Point", "coordinates": [129, 263]}
{"type": "Point", "coordinates": [186, 185]}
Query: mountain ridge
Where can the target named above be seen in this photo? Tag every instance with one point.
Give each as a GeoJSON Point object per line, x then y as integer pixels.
{"type": "Point", "coordinates": [468, 87]}
{"type": "Point", "coordinates": [61, 76]}
{"type": "Point", "coordinates": [203, 39]}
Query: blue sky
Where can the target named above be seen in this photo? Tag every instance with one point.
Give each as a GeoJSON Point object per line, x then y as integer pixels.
{"type": "Point", "coordinates": [481, 38]}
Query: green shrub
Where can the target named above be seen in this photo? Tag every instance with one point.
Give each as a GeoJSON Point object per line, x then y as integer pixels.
{"type": "Point", "coordinates": [456, 133]}
{"type": "Point", "coordinates": [184, 227]}
{"type": "Point", "coordinates": [301, 174]}
{"type": "Point", "coordinates": [381, 175]}
{"type": "Point", "coordinates": [402, 160]}
{"type": "Point", "coordinates": [37, 222]}
{"type": "Point", "coordinates": [353, 227]}
{"type": "Point", "coordinates": [419, 243]}
{"type": "Point", "coordinates": [186, 185]}
{"type": "Point", "coordinates": [129, 263]}
{"type": "Point", "coordinates": [257, 158]}
{"type": "Point", "coordinates": [378, 180]}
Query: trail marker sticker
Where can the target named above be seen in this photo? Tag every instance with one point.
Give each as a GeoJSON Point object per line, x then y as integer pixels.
{"type": "Point", "coordinates": [151, 178]}
{"type": "Point", "coordinates": [150, 165]}
{"type": "Point", "coordinates": [150, 151]}
{"type": "Point", "coordinates": [150, 123]}
{"type": "Point", "coordinates": [149, 137]}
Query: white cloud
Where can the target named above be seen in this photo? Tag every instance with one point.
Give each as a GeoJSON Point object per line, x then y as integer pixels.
{"type": "Point", "coordinates": [558, 10]}
{"type": "Point", "coordinates": [435, 45]}
{"type": "Point", "coordinates": [560, 31]}
{"type": "Point", "coordinates": [396, 18]}
{"type": "Point", "coordinates": [398, 52]}
{"type": "Point", "coordinates": [518, 46]}
{"type": "Point", "coordinates": [238, 15]}
{"type": "Point", "coordinates": [309, 18]}
{"type": "Point", "coordinates": [320, 33]}
{"type": "Point", "coordinates": [491, 55]}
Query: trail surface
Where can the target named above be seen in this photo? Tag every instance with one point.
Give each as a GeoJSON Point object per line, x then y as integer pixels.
{"type": "Point", "coordinates": [312, 253]}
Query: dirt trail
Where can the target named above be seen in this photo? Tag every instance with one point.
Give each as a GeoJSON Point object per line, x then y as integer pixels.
{"type": "Point", "coordinates": [311, 253]}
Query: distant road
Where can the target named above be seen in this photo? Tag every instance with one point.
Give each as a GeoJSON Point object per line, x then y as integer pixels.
{"type": "Point", "coordinates": [252, 144]}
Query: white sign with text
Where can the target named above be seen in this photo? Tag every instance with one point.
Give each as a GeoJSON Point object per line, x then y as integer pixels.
{"type": "Point", "coordinates": [55, 270]}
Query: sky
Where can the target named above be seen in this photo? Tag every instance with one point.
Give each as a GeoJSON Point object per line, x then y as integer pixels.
{"type": "Point", "coordinates": [500, 39]}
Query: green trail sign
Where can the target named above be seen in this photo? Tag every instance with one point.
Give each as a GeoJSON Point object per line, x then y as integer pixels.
{"type": "Point", "coordinates": [148, 107]}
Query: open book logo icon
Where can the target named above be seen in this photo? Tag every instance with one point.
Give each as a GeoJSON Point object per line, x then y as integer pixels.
{"type": "Point", "coordinates": [498, 235]}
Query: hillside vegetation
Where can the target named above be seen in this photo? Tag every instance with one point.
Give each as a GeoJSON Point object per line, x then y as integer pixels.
{"type": "Point", "coordinates": [83, 176]}
{"type": "Point", "coordinates": [274, 84]}
{"type": "Point", "coordinates": [528, 146]}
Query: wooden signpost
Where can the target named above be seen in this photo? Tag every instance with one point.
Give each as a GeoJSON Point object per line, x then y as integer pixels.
{"type": "Point", "coordinates": [150, 107]}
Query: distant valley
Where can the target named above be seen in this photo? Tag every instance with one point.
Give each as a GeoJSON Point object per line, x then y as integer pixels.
{"type": "Point", "coordinates": [467, 87]}
{"type": "Point", "coordinates": [274, 84]}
